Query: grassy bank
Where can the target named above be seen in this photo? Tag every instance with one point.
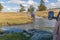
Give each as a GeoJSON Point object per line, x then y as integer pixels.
{"type": "Point", "coordinates": [15, 36]}
{"type": "Point", "coordinates": [11, 18]}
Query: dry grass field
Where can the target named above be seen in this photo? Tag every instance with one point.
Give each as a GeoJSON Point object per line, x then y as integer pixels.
{"type": "Point", "coordinates": [12, 18]}
{"type": "Point", "coordinates": [45, 13]}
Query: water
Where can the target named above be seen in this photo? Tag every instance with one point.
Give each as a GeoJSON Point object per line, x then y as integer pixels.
{"type": "Point", "coordinates": [37, 35]}
{"type": "Point", "coordinates": [42, 35]}
{"type": "Point", "coordinates": [39, 22]}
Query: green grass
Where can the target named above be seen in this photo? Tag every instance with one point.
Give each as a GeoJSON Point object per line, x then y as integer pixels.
{"type": "Point", "coordinates": [15, 36]}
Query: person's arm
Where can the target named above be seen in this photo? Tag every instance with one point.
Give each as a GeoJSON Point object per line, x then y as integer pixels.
{"type": "Point", "coordinates": [55, 31]}
{"type": "Point", "coordinates": [57, 17]}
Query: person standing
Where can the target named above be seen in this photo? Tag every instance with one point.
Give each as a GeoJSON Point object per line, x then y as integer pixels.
{"type": "Point", "coordinates": [57, 28]}
{"type": "Point", "coordinates": [33, 19]}
{"type": "Point", "coordinates": [32, 15]}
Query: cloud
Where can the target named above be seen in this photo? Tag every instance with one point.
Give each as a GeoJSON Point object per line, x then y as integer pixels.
{"type": "Point", "coordinates": [2, 2]}
{"type": "Point", "coordinates": [54, 5]}
{"type": "Point", "coordinates": [6, 9]}
{"type": "Point", "coordinates": [46, 1]}
{"type": "Point", "coordinates": [26, 4]}
{"type": "Point", "coordinates": [10, 9]}
{"type": "Point", "coordinates": [58, 0]}
{"type": "Point", "coordinates": [29, 2]}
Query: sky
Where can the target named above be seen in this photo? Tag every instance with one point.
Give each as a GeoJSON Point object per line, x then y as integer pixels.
{"type": "Point", "coordinates": [14, 5]}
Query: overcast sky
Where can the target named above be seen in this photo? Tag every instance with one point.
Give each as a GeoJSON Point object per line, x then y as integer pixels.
{"type": "Point", "coordinates": [14, 5]}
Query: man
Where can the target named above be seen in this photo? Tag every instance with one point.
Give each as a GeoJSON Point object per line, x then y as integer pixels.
{"type": "Point", "coordinates": [33, 20]}
{"type": "Point", "coordinates": [32, 15]}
